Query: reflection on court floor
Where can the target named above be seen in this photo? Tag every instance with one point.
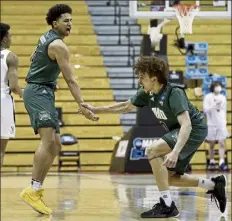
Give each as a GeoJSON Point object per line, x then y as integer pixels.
{"type": "Point", "coordinates": [104, 197]}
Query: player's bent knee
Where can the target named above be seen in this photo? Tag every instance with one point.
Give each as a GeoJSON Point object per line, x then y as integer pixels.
{"type": "Point", "coordinates": [153, 151]}
{"type": "Point", "coordinates": [159, 148]}
{"type": "Point", "coordinates": [152, 154]}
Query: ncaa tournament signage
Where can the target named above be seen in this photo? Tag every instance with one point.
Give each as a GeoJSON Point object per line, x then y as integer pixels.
{"type": "Point", "coordinates": [130, 153]}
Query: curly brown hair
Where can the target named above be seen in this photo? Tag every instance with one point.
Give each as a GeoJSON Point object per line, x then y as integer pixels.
{"type": "Point", "coordinates": [153, 66]}
{"type": "Point", "coordinates": [56, 11]}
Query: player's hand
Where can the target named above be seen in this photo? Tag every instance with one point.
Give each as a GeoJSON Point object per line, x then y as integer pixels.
{"type": "Point", "coordinates": [57, 88]}
{"type": "Point", "coordinates": [88, 114]}
{"type": "Point", "coordinates": [88, 106]}
{"type": "Point", "coordinates": [171, 159]}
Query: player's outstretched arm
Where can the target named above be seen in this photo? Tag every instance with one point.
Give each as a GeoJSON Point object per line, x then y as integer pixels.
{"type": "Point", "coordinates": [12, 63]}
{"type": "Point", "coordinates": [58, 51]}
{"type": "Point", "coordinates": [119, 107]}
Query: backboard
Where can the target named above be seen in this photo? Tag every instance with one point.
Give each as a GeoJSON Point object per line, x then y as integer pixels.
{"type": "Point", "coordinates": [160, 9]}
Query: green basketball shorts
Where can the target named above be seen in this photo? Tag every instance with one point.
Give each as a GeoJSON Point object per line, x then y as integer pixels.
{"type": "Point", "coordinates": [196, 138]}
{"type": "Point", "coordinates": [39, 101]}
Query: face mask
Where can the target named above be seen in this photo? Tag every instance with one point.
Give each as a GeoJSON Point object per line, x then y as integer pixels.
{"type": "Point", "coordinates": [218, 89]}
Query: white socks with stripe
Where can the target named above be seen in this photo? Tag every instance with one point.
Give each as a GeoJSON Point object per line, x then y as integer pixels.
{"type": "Point", "coordinates": [36, 185]}
{"type": "Point", "coordinates": [166, 196]}
{"type": "Point", "coordinates": [206, 184]}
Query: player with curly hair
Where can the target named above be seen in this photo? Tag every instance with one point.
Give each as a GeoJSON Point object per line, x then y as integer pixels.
{"type": "Point", "coordinates": [50, 57]}
{"type": "Point", "coordinates": [186, 130]}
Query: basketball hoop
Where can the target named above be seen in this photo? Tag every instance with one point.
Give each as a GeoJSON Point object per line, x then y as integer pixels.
{"type": "Point", "coordinates": [185, 15]}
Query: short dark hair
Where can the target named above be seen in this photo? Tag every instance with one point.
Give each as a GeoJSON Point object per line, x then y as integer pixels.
{"type": "Point", "coordinates": [56, 11]}
{"type": "Point", "coordinates": [4, 30]}
{"type": "Point", "coordinates": [214, 84]}
{"type": "Point", "coordinates": [153, 66]}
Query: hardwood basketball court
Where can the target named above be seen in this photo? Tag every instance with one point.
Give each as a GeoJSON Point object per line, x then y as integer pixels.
{"type": "Point", "coordinates": [105, 197]}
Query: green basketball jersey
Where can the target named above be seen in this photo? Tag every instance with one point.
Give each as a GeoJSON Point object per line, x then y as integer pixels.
{"type": "Point", "coordinates": [167, 105]}
{"type": "Point", "coordinates": [43, 69]}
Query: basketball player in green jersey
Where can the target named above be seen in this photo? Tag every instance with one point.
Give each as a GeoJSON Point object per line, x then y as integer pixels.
{"type": "Point", "coordinates": [186, 130]}
{"type": "Point", "coordinates": [49, 59]}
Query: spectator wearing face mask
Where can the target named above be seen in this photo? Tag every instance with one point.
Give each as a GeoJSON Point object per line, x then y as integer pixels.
{"type": "Point", "coordinates": [215, 109]}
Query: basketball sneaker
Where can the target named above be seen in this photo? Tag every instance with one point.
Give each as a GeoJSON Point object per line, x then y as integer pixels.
{"type": "Point", "coordinates": [219, 192]}
{"type": "Point", "coordinates": [35, 200]}
{"type": "Point", "coordinates": [161, 210]}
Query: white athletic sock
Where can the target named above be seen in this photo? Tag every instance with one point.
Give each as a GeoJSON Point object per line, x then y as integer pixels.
{"type": "Point", "coordinates": [221, 161]}
{"type": "Point", "coordinates": [36, 185]}
{"type": "Point", "coordinates": [166, 197]}
{"type": "Point", "coordinates": [206, 184]}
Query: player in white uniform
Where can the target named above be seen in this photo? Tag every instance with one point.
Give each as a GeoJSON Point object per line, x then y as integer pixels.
{"type": "Point", "coordinates": [9, 82]}
{"type": "Point", "coordinates": [215, 110]}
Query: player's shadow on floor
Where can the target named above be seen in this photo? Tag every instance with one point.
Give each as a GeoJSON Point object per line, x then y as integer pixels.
{"type": "Point", "coordinates": [43, 218]}
{"type": "Point", "coordinates": [57, 215]}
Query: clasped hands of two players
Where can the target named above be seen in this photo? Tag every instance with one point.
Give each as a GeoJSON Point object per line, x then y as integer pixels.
{"type": "Point", "coordinates": [88, 111]}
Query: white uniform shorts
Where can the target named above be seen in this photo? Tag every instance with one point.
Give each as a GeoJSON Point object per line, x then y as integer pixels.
{"type": "Point", "coordinates": [217, 133]}
{"type": "Point", "coordinates": [7, 117]}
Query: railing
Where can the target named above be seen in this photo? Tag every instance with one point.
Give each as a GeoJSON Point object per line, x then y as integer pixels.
{"type": "Point", "coordinates": [129, 43]}
{"type": "Point", "coordinates": [131, 47]}
{"type": "Point", "coordinates": [133, 63]}
{"type": "Point", "coordinates": [117, 14]}
{"type": "Point", "coordinates": [131, 56]}
{"type": "Point", "coordinates": [119, 22]}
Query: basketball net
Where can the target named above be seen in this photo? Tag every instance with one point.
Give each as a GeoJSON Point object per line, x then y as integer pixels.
{"type": "Point", "coordinates": [185, 15]}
